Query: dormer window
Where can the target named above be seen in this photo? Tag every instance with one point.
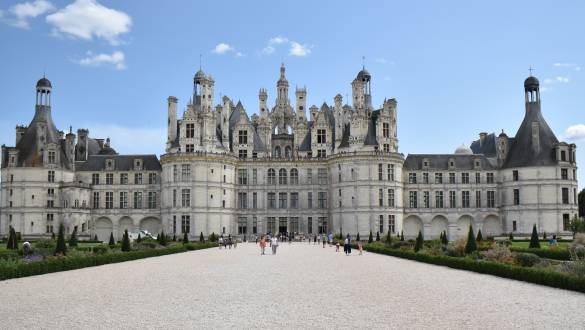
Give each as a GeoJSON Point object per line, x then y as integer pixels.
{"type": "Point", "coordinates": [109, 164]}
{"type": "Point", "coordinates": [563, 156]}
{"type": "Point", "coordinates": [243, 137]}
{"type": "Point", "coordinates": [52, 157]}
{"type": "Point", "coordinates": [451, 163]}
{"type": "Point", "coordinates": [321, 136]}
{"type": "Point", "coordinates": [137, 164]}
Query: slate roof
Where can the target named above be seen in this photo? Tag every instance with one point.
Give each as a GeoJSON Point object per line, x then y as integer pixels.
{"type": "Point", "coordinates": [121, 163]}
{"type": "Point", "coordinates": [487, 148]}
{"type": "Point", "coordinates": [441, 162]}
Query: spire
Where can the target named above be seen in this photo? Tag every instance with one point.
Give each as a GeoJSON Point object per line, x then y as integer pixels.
{"type": "Point", "coordinates": [282, 69]}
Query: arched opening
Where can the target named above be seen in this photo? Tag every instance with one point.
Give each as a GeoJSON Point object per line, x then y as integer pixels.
{"type": "Point", "coordinates": [282, 176]}
{"type": "Point", "coordinates": [103, 227]}
{"type": "Point", "coordinates": [125, 223]}
{"type": "Point", "coordinates": [411, 226]}
{"type": "Point", "coordinates": [288, 152]}
{"type": "Point", "coordinates": [463, 226]}
{"type": "Point", "coordinates": [491, 226]}
{"type": "Point", "coordinates": [439, 224]}
{"type": "Point", "coordinates": [277, 152]}
{"type": "Point", "coordinates": [271, 176]}
{"type": "Point", "coordinates": [152, 225]}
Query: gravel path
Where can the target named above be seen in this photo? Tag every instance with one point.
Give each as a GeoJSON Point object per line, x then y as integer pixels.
{"type": "Point", "coordinates": [302, 286]}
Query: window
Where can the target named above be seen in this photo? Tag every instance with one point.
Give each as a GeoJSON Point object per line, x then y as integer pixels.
{"type": "Point", "coordinates": [137, 178]}
{"type": "Point", "coordinates": [271, 176]}
{"type": "Point", "coordinates": [381, 224]}
{"type": "Point", "coordinates": [282, 197]}
{"type": "Point", "coordinates": [174, 224]}
{"type": "Point", "coordinates": [242, 225]}
{"type": "Point", "coordinates": [386, 130]}
{"type": "Point", "coordinates": [412, 199]}
{"type": "Point", "coordinates": [137, 199]}
{"type": "Point", "coordinates": [185, 197]}
{"type": "Point", "coordinates": [451, 178]}
{"type": "Point", "coordinates": [52, 157]}
{"type": "Point", "coordinates": [390, 172]}
{"type": "Point", "coordinates": [392, 223]}
{"type": "Point", "coordinates": [310, 200]}
{"type": "Point", "coordinates": [566, 222]}
{"type": "Point", "coordinates": [322, 175]}
{"type": "Point", "coordinates": [95, 178]}
{"type": "Point", "coordinates": [380, 197]}
{"type": "Point", "coordinates": [563, 156]}
{"type": "Point", "coordinates": [575, 196]}
{"type": "Point", "coordinates": [310, 225]}
{"type": "Point", "coordinates": [174, 197]}
{"type": "Point", "coordinates": [439, 199]}
{"type": "Point", "coordinates": [151, 178]}
{"type": "Point", "coordinates": [243, 137]}
{"type": "Point", "coordinates": [426, 199]}
{"type": "Point", "coordinates": [243, 200]}
{"type": "Point", "coordinates": [109, 178]}
{"type": "Point", "coordinates": [243, 176]}
{"type": "Point", "coordinates": [176, 173]}
{"type": "Point", "coordinates": [109, 200]}
{"type": "Point", "coordinates": [452, 199]}
{"type": "Point", "coordinates": [254, 200]}
{"type": "Point", "coordinates": [282, 176]}
{"type": "Point", "coordinates": [243, 153]}
{"type": "Point", "coordinates": [123, 178]}
{"type": "Point", "coordinates": [380, 172]}
{"type": "Point", "coordinates": [50, 204]}
{"type": "Point", "coordinates": [271, 224]}
{"type": "Point", "coordinates": [321, 153]}
{"type": "Point", "coordinates": [515, 175]}
{"type": "Point", "coordinates": [294, 176]}
{"type": "Point", "coordinates": [438, 177]}
{"type": "Point", "coordinates": [321, 137]}
{"type": "Point", "coordinates": [411, 177]}
{"type": "Point", "coordinates": [123, 200]}
{"type": "Point", "coordinates": [425, 177]}
{"type": "Point", "coordinates": [564, 174]}
{"type": "Point", "coordinates": [491, 198]}
{"type": "Point", "coordinates": [390, 197]}
{"type": "Point", "coordinates": [465, 199]}
{"type": "Point", "coordinates": [51, 176]}
{"type": "Point", "coordinates": [478, 198]}
{"type": "Point", "coordinates": [271, 200]}
{"type": "Point", "coordinates": [50, 192]}
{"type": "Point", "coordinates": [322, 225]}
{"type": "Point", "coordinates": [254, 176]}
{"type": "Point", "coordinates": [565, 195]}
{"type": "Point", "coordinates": [189, 148]}
{"type": "Point", "coordinates": [185, 172]}
{"type": "Point", "coordinates": [516, 196]}
{"type": "Point", "coordinates": [514, 226]}
{"type": "Point", "coordinates": [294, 200]}
{"type": "Point", "coordinates": [190, 131]}
{"type": "Point", "coordinates": [254, 225]}
{"type": "Point", "coordinates": [490, 177]}
{"type": "Point", "coordinates": [386, 147]}
{"type": "Point", "coordinates": [478, 177]}
{"type": "Point", "coordinates": [96, 199]}
{"type": "Point", "coordinates": [185, 224]}
{"type": "Point", "coordinates": [322, 199]}
{"type": "Point", "coordinates": [152, 199]}
{"type": "Point", "coordinates": [310, 176]}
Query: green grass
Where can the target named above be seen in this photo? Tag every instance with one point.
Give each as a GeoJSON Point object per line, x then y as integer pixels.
{"type": "Point", "coordinates": [543, 245]}
{"type": "Point", "coordinates": [79, 244]}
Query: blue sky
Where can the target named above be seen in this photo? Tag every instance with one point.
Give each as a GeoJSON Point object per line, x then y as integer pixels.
{"type": "Point", "coordinates": [456, 68]}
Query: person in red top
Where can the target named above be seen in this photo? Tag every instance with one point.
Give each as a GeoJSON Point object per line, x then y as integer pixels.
{"type": "Point", "coordinates": [262, 245]}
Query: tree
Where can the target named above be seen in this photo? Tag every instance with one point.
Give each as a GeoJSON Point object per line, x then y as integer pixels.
{"type": "Point", "coordinates": [185, 238]}
{"type": "Point", "coordinates": [12, 243]}
{"type": "Point", "coordinates": [511, 236]}
{"type": "Point", "coordinates": [73, 238]}
{"type": "Point", "coordinates": [418, 245]}
{"type": "Point", "coordinates": [357, 238]}
{"type": "Point", "coordinates": [479, 237]}
{"type": "Point", "coordinates": [402, 235]}
{"type": "Point", "coordinates": [61, 247]}
{"type": "Point", "coordinates": [139, 238]}
{"type": "Point", "coordinates": [212, 237]}
{"type": "Point", "coordinates": [389, 238]}
{"type": "Point", "coordinates": [471, 245]}
{"type": "Point", "coordinates": [534, 243]}
{"type": "Point", "coordinates": [53, 236]}
{"type": "Point", "coordinates": [544, 235]}
{"type": "Point", "coordinates": [95, 238]}
{"type": "Point", "coordinates": [582, 203]}
{"type": "Point", "coordinates": [163, 239]}
{"type": "Point", "coordinates": [577, 225]}
{"type": "Point", "coordinates": [445, 240]}
{"type": "Point", "coordinates": [370, 238]}
{"type": "Point", "coordinates": [112, 241]}
{"type": "Point", "coordinates": [377, 236]}
{"type": "Point", "coordinates": [201, 239]}
{"type": "Point", "coordinates": [126, 242]}
{"type": "Point", "coordinates": [340, 233]}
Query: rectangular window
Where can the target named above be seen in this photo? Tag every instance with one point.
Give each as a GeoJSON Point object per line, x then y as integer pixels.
{"type": "Point", "coordinates": [412, 199]}
{"type": "Point", "coordinates": [380, 197]}
{"type": "Point", "coordinates": [390, 197]}
{"type": "Point", "coordinates": [282, 197]}
{"type": "Point", "coordinates": [137, 199]}
{"type": "Point", "coordinates": [321, 136]}
{"type": "Point", "coordinates": [254, 225]}
{"type": "Point", "coordinates": [152, 199]}
{"type": "Point", "coordinates": [390, 172]}
{"type": "Point", "coordinates": [189, 148]}
{"type": "Point", "coordinates": [50, 191]}
{"type": "Point", "coordinates": [439, 199]}
{"type": "Point", "coordinates": [271, 225]}
{"type": "Point", "coordinates": [386, 147]}
{"type": "Point", "coordinates": [243, 200]}
{"type": "Point", "coordinates": [96, 200]}
{"type": "Point", "coordinates": [185, 224]}
{"type": "Point", "coordinates": [386, 130]}
{"type": "Point", "coordinates": [515, 175]}
{"type": "Point", "coordinates": [563, 156]}
{"type": "Point", "coordinates": [564, 174]}
{"type": "Point", "coordinates": [254, 200]}
{"type": "Point", "coordinates": [516, 196]}
{"type": "Point", "coordinates": [310, 225]}
{"type": "Point", "coordinates": [174, 197]}
{"type": "Point", "coordinates": [123, 178]}
{"type": "Point", "coordinates": [565, 195]}
{"type": "Point", "coordinates": [322, 199]}
{"type": "Point", "coordinates": [109, 178]}
{"type": "Point", "coordinates": [310, 200]}
{"type": "Point", "coordinates": [465, 199]}
{"type": "Point", "coordinates": [109, 200]}
{"type": "Point", "coordinates": [425, 177]}
{"type": "Point", "coordinates": [254, 176]}
{"type": "Point", "coordinates": [411, 177]}
{"type": "Point", "coordinates": [478, 198]}
{"type": "Point", "coordinates": [566, 222]}
{"type": "Point", "coordinates": [478, 177]}
{"type": "Point", "coordinates": [271, 200]}
{"type": "Point", "coordinates": [294, 200]}
{"type": "Point", "coordinates": [51, 176]}
{"type": "Point", "coordinates": [243, 176]}
{"type": "Point", "coordinates": [151, 178]}
{"type": "Point", "coordinates": [514, 226]}
{"type": "Point", "coordinates": [174, 224]}
{"type": "Point", "coordinates": [123, 200]}
{"type": "Point", "coordinates": [310, 176]}
{"type": "Point", "coordinates": [50, 204]}
{"type": "Point", "coordinates": [185, 197]}
{"type": "Point", "coordinates": [491, 198]}
{"type": "Point", "coordinates": [185, 172]}
{"type": "Point", "coordinates": [137, 178]}
{"type": "Point", "coordinates": [321, 153]}
{"type": "Point", "coordinates": [243, 137]}
{"type": "Point", "coordinates": [190, 131]}
{"type": "Point", "coordinates": [380, 172]}
{"type": "Point", "coordinates": [426, 199]}
{"type": "Point", "coordinates": [322, 175]}
{"type": "Point", "coordinates": [49, 227]}
{"type": "Point", "coordinates": [176, 173]}
{"type": "Point", "coordinates": [452, 199]}
{"type": "Point", "coordinates": [381, 224]}
{"type": "Point", "coordinates": [392, 223]}
{"type": "Point", "coordinates": [243, 153]}
{"type": "Point", "coordinates": [451, 178]}
{"type": "Point", "coordinates": [490, 177]}
{"type": "Point", "coordinates": [439, 178]}
{"type": "Point", "coordinates": [52, 157]}
{"type": "Point", "coordinates": [242, 225]}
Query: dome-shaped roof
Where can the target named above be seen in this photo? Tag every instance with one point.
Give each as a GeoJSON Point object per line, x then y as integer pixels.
{"type": "Point", "coordinates": [463, 150]}
{"type": "Point", "coordinates": [44, 82]}
{"type": "Point", "coordinates": [200, 74]}
{"type": "Point", "coordinates": [531, 82]}
{"type": "Point", "coordinates": [364, 75]}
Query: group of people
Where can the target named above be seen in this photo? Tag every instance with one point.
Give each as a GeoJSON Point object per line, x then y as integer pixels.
{"type": "Point", "coordinates": [227, 242]}
{"type": "Point", "coordinates": [272, 241]}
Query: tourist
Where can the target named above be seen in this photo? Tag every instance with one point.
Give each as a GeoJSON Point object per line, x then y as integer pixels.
{"type": "Point", "coordinates": [360, 247]}
{"type": "Point", "coordinates": [330, 239]}
{"type": "Point", "coordinates": [274, 244]}
{"type": "Point", "coordinates": [315, 239]}
{"type": "Point", "coordinates": [319, 239]}
{"type": "Point", "coordinates": [337, 247]}
{"type": "Point", "coordinates": [347, 244]}
{"type": "Point", "coordinates": [324, 241]}
{"type": "Point", "coordinates": [262, 245]}
{"type": "Point", "coordinates": [220, 242]}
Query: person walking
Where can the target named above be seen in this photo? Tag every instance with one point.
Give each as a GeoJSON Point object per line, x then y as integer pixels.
{"type": "Point", "coordinates": [315, 239]}
{"type": "Point", "coordinates": [324, 240]}
{"type": "Point", "coordinates": [262, 245]}
{"type": "Point", "coordinates": [274, 244]}
{"type": "Point", "coordinates": [220, 242]}
{"type": "Point", "coordinates": [346, 247]}
{"type": "Point", "coordinates": [360, 247]}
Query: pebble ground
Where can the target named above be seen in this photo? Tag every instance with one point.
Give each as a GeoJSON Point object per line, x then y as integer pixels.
{"type": "Point", "coordinates": [302, 286]}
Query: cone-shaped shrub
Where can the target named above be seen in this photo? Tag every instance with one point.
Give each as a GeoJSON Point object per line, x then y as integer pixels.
{"type": "Point", "coordinates": [370, 238]}
{"type": "Point", "coordinates": [53, 236]}
{"type": "Point", "coordinates": [9, 241]}
{"type": "Point", "coordinates": [511, 237]}
{"type": "Point", "coordinates": [402, 235]}
{"type": "Point", "coordinates": [357, 238]}
{"type": "Point", "coordinates": [471, 245]}
{"type": "Point", "coordinates": [163, 239]}
{"type": "Point", "coordinates": [534, 243]}
{"type": "Point", "coordinates": [185, 238]}
{"type": "Point", "coordinates": [212, 237]}
{"type": "Point", "coordinates": [73, 238]}
{"type": "Point", "coordinates": [139, 238]}
{"type": "Point", "coordinates": [112, 241]}
{"type": "Point", "coordinates": [445, 240]}
{"type": "Point", "coordinates": [95, 238]}
{"type": "Point", "coordinates": [389, 238]}
{"type": "Point", "coordinates": [479, 237]}
{"type": "Point", "coordinates": [126, 241]}
{"type": "Point", "coordinates": [544, 235]}
{"type": "Point", "coordinates": [201, 238]}
{"type": "Point", "coordinates": [418, 245]}
{"type": "Point", "coordinates": [377, 236]}
{"type": "Point", "coordinates": [12, 243]}
{"type": "Point", "coordinates": [61, 247]}
{"type": "Point", "coordinates": [340, 233]}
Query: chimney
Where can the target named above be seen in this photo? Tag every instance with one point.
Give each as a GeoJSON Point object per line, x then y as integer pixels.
{"type": "Point", "coordinates": [482, 136]}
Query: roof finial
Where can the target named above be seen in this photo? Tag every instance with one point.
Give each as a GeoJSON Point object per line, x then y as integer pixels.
{"type": "Point", "coordinates": [530, 69]}
{"type": "Point", "coordinates": [200, 59]}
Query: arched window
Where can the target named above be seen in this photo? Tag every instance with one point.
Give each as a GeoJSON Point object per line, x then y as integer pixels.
{"type": "Point", "coordinates": [288, 152]}
{"type": "Point", "coordinates": [282, 176]}
{"type": "Point", "coordinates": [271, 176]}
{"type": "Point", "coordinates": [277, 152]}
{"type": "Point", "coordinates": [294, 176]}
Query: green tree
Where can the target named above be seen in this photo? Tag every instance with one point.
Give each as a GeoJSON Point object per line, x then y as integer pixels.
{"type": "Point", "coordinates": [73, 239]}
{"type": "Point", "coordinates": [95, 238]}
{"type": "Point", "coordinates": [544, 235]}
{"type": "Point", "coordinates": [126, 241]}
{"type": "Point", "coordinates": [139, 238]}
{"type": "Point", "coordinates": [61, 248]}
{"type": "Point", "coordinates": [418, 245]}
{"type": "Point", "coordinates": [511, 237]}
{"type": "Point", "coordinates": [445, 240]}
{"type": "Point", "coordinates": [357, 238]}
{"type": "Point", "coordinates": [212, 237]}
{"type": "Point", "coordinates": [201, 238]}
{"type": "Point", "coordinates": [577, 225]}
{"type": "Point", "coordinates": [112, 241]}
{"type": "Point", "coordinates": [185, 238]}
{"type": "Point", "coordinates": [479, 237]}
{"type": "Point", "coordinates": [163, 239]}
{"type": "Point", "coordinates": [377, 236]}
{"type": "Point", "coordinates": [402, 235]}
{"type": "Point", "coordinates": [471, 245]}
{"type": "Point", "coordinates": [389, 238]}
{"type": "Point", "coordinates": [340, 233]}
{"type": "Point", "coordinates": [581, 203]}
{"type": "Point", "coordinates": [534, 243]}
{"type": "Point", "coordinates": [370, 238]}
{"type": "Point", "coordinates": [12, 243]}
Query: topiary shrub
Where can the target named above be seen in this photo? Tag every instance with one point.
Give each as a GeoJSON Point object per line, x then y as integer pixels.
{"type": "Point", "coordinates": [377, 236]}
{"type": "Point", "coordinates": [126, 242]}
{"type": "Point", "coordinates": [418, 245]}
{"type": "Point", "coordinates": [73, 239]}
{"type": "Point", "coordinates": [53, 236]}
{"type": "Point", "coordinates": [163, 239]}
{"type": "Point", "coordinates": [479, 237]}
{"type": "Point", "coordinates": [527, 259]}
{"type": "Point", "coordinates": [185, 238]}
{"type": "Point", "coordinates": [534, 243]}
{"type": "Point", "coordinates": [444, 239]}
{"type": "Point", "coordinates": [357, 238]}
{"type": "Point", "coordinates": [12, 243]}
{"type": "Point", "coordinates": [213, 237]}
{"type": "Point", "coordinates": [471, 245]}
{"type": "Point", "coordinates": [61, 247]}
{"type": "Point", "coordinates": [201, 238]}
{"type": "Point", "coordinates": [511, 237]}
{"type": "Point", "coordinates": [370, 238]}
{"type": "Point", "coordinates": [402, 235]}
{"type": "Point", "coordinates": [389, 238]}
{"type": "Point", "coordinates": [100, 249]}
{"type": "Point", "coordinates": [112, 242]}
{"type": "Point", "coordinates": [139, 238]}
{"type": "Point", "coordinates": [95, 238]}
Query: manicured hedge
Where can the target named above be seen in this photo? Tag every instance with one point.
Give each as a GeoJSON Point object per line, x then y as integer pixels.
{"type": "Point", "coordinates": [531, 275]}
{"type": "Point", "coordinates": [58, 264]}
{"type": "Point", "coordinates": [557, 254]}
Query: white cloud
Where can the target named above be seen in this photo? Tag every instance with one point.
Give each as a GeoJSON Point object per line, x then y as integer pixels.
{"type": "Point", "coordinates": [268, 50]}
{"type": "Point", "coordinates": [573, 66]}
{"type": "Point", "coordinates": [22, 12]}
{"type": "Point", "coordinates": [381, 60]}
{"type": "Point", "coordinates": [297, 49]}
{"type": "Point", "coordinates": [556, 80]}
{"type": "Point", "coordinates": [222, 48]}
{"type": "Point", "coordinates": [277, 40]}
{"type": "Point", "coordinates": [239, 54]}
{"type": "Point", "coordinates": [116, 59]}
{"type": "Point", "coordinates": [575, 132]}
{"type": "Point", "coordinates": [86, 19]}
{"type": "Point", "coordinates": [131, 140]}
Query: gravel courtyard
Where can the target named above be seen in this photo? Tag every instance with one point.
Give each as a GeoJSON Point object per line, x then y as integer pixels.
{"type": "Point", "coordinates": [302, 286]}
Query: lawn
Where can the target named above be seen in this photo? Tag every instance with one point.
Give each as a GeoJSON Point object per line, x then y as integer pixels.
{"type": "Point", "coordinates": [543, 245]}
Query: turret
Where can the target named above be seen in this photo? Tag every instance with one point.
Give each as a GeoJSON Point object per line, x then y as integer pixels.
{"type": "Point", "coordinates": [262, 97]}
{"type": "Point", "coordinates": [361, 90]}
{"type": "Point", "coordinates": [202, 91]}
{"type": "Point", "coordinates": [172, 119]}
{"type": "Point", "coordinates": [82, 145]}
{"type": "Point", "coordinates": [301, 94]}
{"type": "Point", "coordinates": [70, 147]}
{"type": "Point", "coordinates": [44, 88]}
{"type": "Point", "coordinates": [282, 88]}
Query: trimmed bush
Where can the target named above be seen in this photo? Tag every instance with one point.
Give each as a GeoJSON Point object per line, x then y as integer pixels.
{"type": "Point", "coordinates": [185, 238]}
{"type": "Point", "coordinates": [126, 242]}
{"type": "Point", "coordinates": [357, 238]}
{"type": "Point", "coordinates": [61, 248]}
{"type": "Point", "coordinates": [12, 243]}
{"type": "Point", "coordinates": [201, 238]}
{"type": "Point", "coordinates": [388, 238]}
{"type": "Point", "coordinates": [370, 238]}
{"type": "Point", "coordinates": [213, 237]}
{"type": "Point", "coordinates": [139, 238]}
{"type": "Point", "coordinates": [402, 235]}
{"type": "Point", "coordinates": [377, 236]}
{"type": "Point", "coordinates": [556, 254]}
{"type": "Point", "coordinates": [163, 238]}
{"type": "Point", "coordinates": [479, 237]}
{"type": "Point", "coordinates": [95, 238]}
{"type": "Point", "coordinates": [527, 259]}
{"type": "Point", "coordinates": [470, 246]}
{"type": "Point", "coordinates": [445, 240]}
{"type": "Point", "coordinates": [100, 249]}
{"type": "Point", "coordinates": [73, 239]}
{"type": "Point", "coordinates": [418, 245]}
{"type": "Point", "coordinates": [534, 243]}
{"type": "Point", "coordinates": [112, 242]}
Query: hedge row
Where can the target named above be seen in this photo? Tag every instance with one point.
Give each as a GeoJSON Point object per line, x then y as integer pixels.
{"type": "Point", "coordinates": [58, 264]}
{"type": "Point", "coordinates": [531, 275]}
{"type": "Point", "coordinates": [557, 254]}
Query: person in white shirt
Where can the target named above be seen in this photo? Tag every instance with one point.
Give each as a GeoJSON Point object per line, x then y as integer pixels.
{"type": "Point", "coordinates": [274, 244]}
